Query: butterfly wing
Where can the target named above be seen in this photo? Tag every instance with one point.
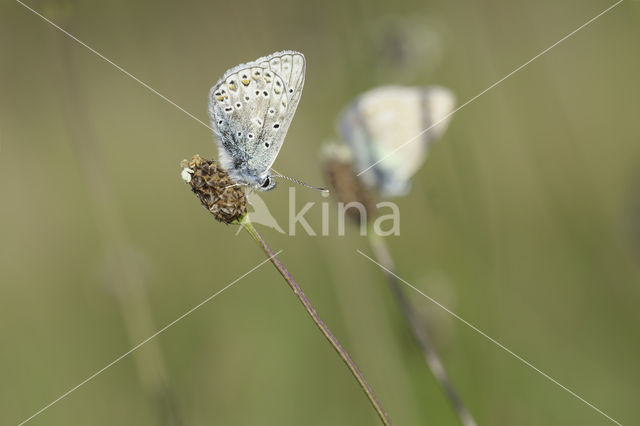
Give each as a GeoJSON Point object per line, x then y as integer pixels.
{"type": "Point", "coordinates": [392, 119]}
{"type": "Point", "coordinates": [251, 109]}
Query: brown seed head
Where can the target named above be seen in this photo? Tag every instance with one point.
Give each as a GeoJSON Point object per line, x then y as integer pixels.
{"type": "Point", "coordinates": [348, 187]}
{"type": "Point", "coordinates": [217, 192]}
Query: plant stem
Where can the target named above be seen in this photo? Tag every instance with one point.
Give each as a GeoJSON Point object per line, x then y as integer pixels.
{"type": "Point", "coordinates": [125, 275]}
{"type": "Point", "coordinates": [318, 321]}
{"type": "Point", "coordinates": [418, 330]}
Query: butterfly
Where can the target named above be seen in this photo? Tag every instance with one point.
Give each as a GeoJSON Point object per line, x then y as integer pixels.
{"type": "Point", "coordinates": [251, 108]}
{"type": "Point", "coordinates": [384, 127]}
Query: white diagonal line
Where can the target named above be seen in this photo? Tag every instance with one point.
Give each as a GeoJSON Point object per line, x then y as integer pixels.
{"type": "Point", "coordinates": [492, 86]}
{"type": "Point", "coordinates": [67, 393]}
{"type": "Point", "coordinates": [127, 73]}
{"type": "Point", "coordinates": [494, 341]}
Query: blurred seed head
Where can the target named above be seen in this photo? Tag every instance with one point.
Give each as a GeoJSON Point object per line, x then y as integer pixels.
{"type": "Point", "coordinates": [408, 46]}
{"type": "Point", "coordinates": [217, 192]}
{"type": "Point", "coordinates": [61, 12]}
{"type": "Point", "coordinates": [348, 187]}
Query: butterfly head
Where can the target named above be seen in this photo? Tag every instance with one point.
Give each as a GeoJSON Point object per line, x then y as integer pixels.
{"type": "Point", "coordinates": [268, 183]}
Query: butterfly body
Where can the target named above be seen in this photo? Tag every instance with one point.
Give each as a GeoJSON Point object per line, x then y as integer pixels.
{"type": "Point", "coordinates": [251, 108]}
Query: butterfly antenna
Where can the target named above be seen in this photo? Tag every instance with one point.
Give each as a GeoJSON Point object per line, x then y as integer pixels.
{"type": "Point", "coordinates": [317, 188]}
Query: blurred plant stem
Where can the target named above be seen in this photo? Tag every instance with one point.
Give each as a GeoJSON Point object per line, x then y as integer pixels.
{"type": "Point", "coordinates": [319, 322]}
{"type": "Point", "coordinates": [418, 330]}
{"type": "Point", "coordinates": [124, 272]}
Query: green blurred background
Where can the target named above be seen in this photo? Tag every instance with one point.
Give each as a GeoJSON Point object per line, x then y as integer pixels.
{"type": "Point", "coordinates": [525, 220]}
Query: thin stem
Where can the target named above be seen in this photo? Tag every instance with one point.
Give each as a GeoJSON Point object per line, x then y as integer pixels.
{"type": "Point", "coordinates": [418, 330]}
{"type": "Point", "coordinates": [321, 325]}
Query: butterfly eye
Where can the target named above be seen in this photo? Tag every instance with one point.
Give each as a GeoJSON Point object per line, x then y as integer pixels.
{"type": "Point", "coordinates": [266, 183]}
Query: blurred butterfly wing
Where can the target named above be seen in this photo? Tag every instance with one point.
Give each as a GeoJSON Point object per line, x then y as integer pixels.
{"type": "Point", "coordinates": [388, 120]}
{"type": "Point", "coordinates": [251, 109]}
{"type": "Point", "coordinates": [354, 132]}
{"type": "Point", "coordinates": [438, 104]}
{"type": "Point", "coordinates": [374, 125]}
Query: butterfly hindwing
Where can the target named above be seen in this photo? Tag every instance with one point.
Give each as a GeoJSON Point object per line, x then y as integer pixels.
{"type": "Point", "coordinates": [251, 108]}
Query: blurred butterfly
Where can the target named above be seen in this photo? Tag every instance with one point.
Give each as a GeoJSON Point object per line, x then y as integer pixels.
{"type": "Point", "coordinates": [387, 117]}
{"type": "Point", "coordinates": [251, 108]}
